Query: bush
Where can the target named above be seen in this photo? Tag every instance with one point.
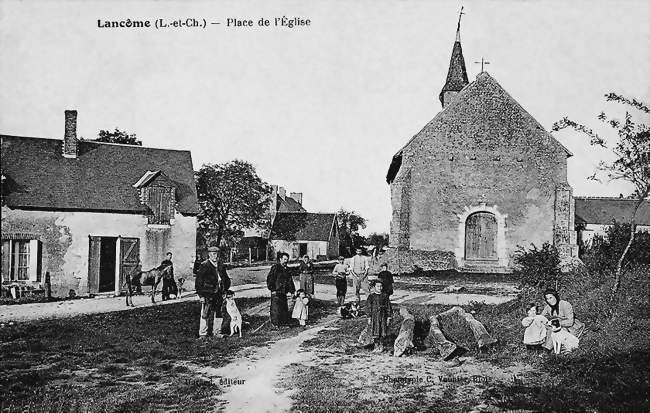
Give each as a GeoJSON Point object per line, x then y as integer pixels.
{"type": "Point", "coordinates": [537, 268]}
{"type": "Point", "coordinates": [603, 253]}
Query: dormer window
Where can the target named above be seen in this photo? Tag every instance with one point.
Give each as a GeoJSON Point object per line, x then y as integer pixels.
{"type": "Point", "coordinates": [158, 194]}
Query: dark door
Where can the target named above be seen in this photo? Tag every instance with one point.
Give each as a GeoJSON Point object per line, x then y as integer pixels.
{"type": "Point", "coordinates": [481, 237]}
{"type": "Point", "coordinates": [107, 264]}
{"type": "Point", "coordinates": [303, 250]}
{"type": "Point", "coordinates": [129, 257]}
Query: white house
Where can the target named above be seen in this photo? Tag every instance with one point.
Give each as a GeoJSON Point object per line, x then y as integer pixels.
{"type": "Point", "coordinates": [85, 212]}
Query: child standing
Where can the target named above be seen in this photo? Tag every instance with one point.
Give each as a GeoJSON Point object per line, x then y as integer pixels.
{"type": "Point", "coordinates": [386, 278]}
{"type": "Point", "coordinates": [301, 309]}
{"type": "Point", "coordinates": [340, 272]}
{"type": "Point", "coordinates": [379, 315]}
{"type": "Point", "coordinates": [535, 324]}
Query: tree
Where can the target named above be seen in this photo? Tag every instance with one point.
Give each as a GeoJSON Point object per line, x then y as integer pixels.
{"type": "Point", "coordinates": [118, 136]}
{"type": "Point", "coordinates": [349, 224]}
{"type": "Point", "coordinates": [379, 240]}
{"type": "Point", "coordinates": [231, 197]}
{"type": "Point", "coordinates": [631, 160]}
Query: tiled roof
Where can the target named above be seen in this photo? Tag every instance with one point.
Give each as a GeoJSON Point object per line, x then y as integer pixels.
{"type": "Point", "coordinates": [289, 204]}
{"type": "Point", "coordinates": [457, 75]}
{"type": "Point", "coordinates": [600, 210]}
{"type": "Point", "coordinates": [303, 226]}
{"type": "Point", "coordinates": [483, 109]}
{"type": "Point", "coordinates": [101, 178]}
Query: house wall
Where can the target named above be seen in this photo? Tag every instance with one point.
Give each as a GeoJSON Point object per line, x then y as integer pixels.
{"type": "Point", "coordinates": [64, 236]}
{"type": "Point", "coordinates": [591, 230]}
{"type": "Point", "coordinates": [333, 247]}
{"type": "Point", "coordinates": [314, 248]}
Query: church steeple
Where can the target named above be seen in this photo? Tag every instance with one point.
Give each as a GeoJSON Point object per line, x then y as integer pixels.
{"type": "Point", "coordinates": [457, 75]}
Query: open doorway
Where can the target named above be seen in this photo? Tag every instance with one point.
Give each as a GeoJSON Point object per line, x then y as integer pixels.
{"type": "Point", "coordinates": [107, 264]}
{"type": "Point", "coordinates": [303, 250]}
{"type": "Point", "coordinates": [103, 257]}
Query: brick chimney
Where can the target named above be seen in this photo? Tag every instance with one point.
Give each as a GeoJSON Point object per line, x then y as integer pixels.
{"type": "Point", "coordinates": [296, 196]}
{"type": "Point", "coordinates": [70, 137]}
{"type": "Point", "coordinates": [282, 192]}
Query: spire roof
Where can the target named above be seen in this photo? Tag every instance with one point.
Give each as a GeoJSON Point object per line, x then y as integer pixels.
{"type": "Point", "coordinates": [457, 75]}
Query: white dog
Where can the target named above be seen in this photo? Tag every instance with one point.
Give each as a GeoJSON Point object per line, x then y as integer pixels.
{"type": "Point", "coordinates": [562, 339]}
{"type": "Point", "coordinates": [233, 312]}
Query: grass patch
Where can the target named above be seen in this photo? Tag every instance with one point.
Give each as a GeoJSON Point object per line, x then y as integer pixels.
{"type": "Point", "coordinates": [121, 361]}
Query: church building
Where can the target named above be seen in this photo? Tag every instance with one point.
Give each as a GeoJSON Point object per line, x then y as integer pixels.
{"type": "Point", "coordinates": [480, 179]}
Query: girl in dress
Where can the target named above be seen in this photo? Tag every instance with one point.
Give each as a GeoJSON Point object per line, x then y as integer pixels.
{"type": "Point", "coordinates": [301, 309]}
{"type": "Point", "coordinates": [379, 315]}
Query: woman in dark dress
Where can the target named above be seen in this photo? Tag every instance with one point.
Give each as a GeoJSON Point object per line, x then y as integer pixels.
{"type": "Point", "coordinates": [280, 282]}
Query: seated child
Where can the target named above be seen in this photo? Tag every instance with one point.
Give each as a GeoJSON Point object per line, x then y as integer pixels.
{"type": "Point", "coordinates": [301, 308]}
{"type": "Point", "coordinates": [535, 324]}
{"type": "Point", "coordinates": [563, 341]}
{"type": "Point", "coordinates": [349, 310]}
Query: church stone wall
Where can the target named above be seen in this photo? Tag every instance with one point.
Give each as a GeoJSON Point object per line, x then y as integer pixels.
{"type": "Point", "coordinates": [446, 179]}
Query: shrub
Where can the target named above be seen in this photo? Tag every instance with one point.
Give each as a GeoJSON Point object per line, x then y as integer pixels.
{"type": "Point", "coordinates": [537, 268]}
{"type": "Point", "coordinates": [603, 253]}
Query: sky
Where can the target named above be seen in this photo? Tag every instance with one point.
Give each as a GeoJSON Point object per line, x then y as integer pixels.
{"type": "Point", "coordinates": [318, 109]}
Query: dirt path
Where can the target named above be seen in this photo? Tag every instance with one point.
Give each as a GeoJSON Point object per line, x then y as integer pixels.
{"type": "Point", "coordinates": [71, 308]}
{"type": "Point", "coordinates": [249, 382]}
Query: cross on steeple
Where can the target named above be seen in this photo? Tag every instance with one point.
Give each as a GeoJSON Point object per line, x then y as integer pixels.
{"type": "Point", "coordinates": [482, 62]}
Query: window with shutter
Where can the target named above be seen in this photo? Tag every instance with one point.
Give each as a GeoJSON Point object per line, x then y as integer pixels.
{"type": "Point", "coordinates": [21, 259]}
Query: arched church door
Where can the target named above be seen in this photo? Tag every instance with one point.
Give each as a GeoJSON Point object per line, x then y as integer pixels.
{"type": "Point", "coordinates": [481, 237]}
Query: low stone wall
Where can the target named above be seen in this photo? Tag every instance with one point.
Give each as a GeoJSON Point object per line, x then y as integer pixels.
{"type": "Point", "coordinates": [403, 261]}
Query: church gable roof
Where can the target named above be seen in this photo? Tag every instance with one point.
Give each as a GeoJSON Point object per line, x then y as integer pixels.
{"type": "Point", "coordinates": [483, 108]}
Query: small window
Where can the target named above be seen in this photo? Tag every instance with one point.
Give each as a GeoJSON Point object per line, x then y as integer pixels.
{"type": "Point", "coordinates": [21, 260]}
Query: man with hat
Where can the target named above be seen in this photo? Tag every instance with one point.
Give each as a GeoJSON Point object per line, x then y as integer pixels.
{"type": "Point", "coordinates": [211, 284]}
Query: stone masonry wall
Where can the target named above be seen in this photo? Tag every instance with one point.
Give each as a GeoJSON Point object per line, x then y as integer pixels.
{"type": "Point", "coordinates": [489, 151]}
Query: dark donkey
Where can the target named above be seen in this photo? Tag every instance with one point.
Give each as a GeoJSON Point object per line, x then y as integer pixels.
{"type": "Point", "coordinates": [139, 278]}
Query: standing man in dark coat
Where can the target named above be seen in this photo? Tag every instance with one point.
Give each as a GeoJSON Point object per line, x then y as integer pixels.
{"type": "Point", "coordinates": [280, 283]}
{"type": "Point", "coordinates": [168, 279]}
{"type": "Point", "coordinates": [211, 285]}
